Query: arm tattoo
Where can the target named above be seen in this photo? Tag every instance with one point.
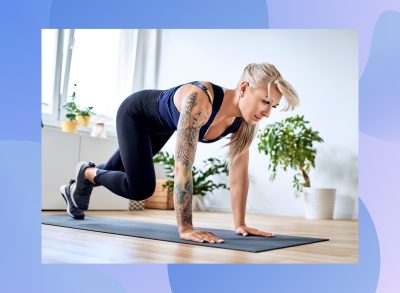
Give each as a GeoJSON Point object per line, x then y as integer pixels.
{"type": "Point", "coordinates": [187, 136]}
{"type": "Point", "coordinates": [183, 200]}
{"type": "Point", "coordinates": [188, 131]}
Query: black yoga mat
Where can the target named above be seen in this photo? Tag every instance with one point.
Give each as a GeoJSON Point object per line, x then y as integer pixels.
{"type": "Point", "coordinates": [170, 233]}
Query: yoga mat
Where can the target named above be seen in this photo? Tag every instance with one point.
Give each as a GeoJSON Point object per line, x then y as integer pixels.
{"type": "Point", "coordinates": [170, 233]}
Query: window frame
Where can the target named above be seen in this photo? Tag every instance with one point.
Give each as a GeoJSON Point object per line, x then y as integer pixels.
{"type": "Point", "coordinates": [62, 75]}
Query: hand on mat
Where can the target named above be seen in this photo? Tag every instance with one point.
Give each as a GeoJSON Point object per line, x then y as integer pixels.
{"type": "Point", "coordinates": [246, 231]}
{"type": "Point", "coordinates": [200, 236]}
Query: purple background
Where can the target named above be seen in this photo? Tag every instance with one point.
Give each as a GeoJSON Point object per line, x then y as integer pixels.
{"type": "Point", "coordinates": [378, 25]}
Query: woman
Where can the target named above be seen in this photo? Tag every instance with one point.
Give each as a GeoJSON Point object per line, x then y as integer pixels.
{"type": "Point", "coordinates": [198, 111]}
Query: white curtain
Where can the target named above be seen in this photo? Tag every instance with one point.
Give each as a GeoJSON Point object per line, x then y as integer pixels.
{"type": "Point", "coordinates": [147, 60]}
{"type": "Point", "coordinates": [126, 61]}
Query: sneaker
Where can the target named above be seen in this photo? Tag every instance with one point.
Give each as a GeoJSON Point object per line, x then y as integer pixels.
{"type": "Point", "coordinates": [72, 210]}
{"type": "Point", "coordinates": [83, 188]}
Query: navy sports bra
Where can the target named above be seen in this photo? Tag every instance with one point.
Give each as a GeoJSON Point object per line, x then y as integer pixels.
{"type": "Point", "coordinates": [170, 115]}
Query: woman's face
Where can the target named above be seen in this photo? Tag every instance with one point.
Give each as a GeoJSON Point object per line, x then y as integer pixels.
{"type": "Point", "coordinates": [255, 103]}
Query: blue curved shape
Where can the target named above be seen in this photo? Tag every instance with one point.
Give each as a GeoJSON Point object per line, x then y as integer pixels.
{"type": "Point", "coordinates": [20, 68]}
{"type": "Point", "coordinates": [158, 14]}
{"type": "Point", "coordinates": [138, 277]}
{"type": "Point", "coordinates": [379, 84]}
{"type": "Point", "coordinates": [21, 267]}
{"type": "Point", "coordinates": [361, 277]}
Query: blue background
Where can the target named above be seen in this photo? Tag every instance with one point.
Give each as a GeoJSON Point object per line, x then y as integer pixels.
{"type": "Point", "coordinates": [378, 25]}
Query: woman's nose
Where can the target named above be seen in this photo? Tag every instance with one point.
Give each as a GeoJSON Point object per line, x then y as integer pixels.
{"type": "Point", "coordinates": [265, 113]}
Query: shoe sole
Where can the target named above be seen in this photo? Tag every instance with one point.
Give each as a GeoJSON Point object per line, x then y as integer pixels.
{"type": "Point", "coordinates": [64, 195]}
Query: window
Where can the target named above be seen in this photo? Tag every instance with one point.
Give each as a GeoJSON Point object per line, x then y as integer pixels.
{"type": "Point", "coordinates": [99, 65]}
{"type": "Point", "coordinates": [96, 71]}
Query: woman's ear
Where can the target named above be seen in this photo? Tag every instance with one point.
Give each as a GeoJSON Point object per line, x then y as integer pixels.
{"type": "Point", "coordinates": [243, 86]}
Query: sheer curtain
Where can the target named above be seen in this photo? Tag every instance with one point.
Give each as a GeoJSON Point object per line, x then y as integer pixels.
{"type": "Point", "coordinates": [147, 60]}
{"type": "Point", "coordinates": [139, 56]}
{"type": "Point", "coordinates": [126, 62]}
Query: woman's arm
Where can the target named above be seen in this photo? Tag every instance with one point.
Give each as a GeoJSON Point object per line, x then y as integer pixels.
{"type": "Point", "coordinates": [192, 117]}
{"type": "Point", "coordinates": [239, 184]}
{"type": "Point", "coordinates": [190, 122]}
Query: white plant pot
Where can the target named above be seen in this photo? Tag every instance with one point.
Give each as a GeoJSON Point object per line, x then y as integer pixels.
{"type": "Point", "coordinates": [198, 203]}
{"type": "Point", "coordinates": [319, 203]}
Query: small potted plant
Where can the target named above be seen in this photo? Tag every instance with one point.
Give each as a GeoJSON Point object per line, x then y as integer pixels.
{"type": "Point", "coordinates": [202, 182]}
{"type": "Point", "coordinates": [290, 144]}
{"type": "Point", "coordinates": [70, 124]}
{"type": "Point", "coordinates": [83, 116]}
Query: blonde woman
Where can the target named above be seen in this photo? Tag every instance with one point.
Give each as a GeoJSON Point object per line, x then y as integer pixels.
{"type": "Point", "coordinates": [199, 112]}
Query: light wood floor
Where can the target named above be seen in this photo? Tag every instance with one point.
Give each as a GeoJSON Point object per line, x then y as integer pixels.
{"type": "Point", "coordinates": [65, 245]}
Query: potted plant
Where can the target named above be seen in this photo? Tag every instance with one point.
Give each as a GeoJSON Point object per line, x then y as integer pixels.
{"type": "Point", "coordinates": [83, 116]}
{"type": "Point", "coordinates": [202, 182]}
{"type": "Point", "coordinates": [70, 124]}
{"type": "Point", "coordinates": [290, 144]}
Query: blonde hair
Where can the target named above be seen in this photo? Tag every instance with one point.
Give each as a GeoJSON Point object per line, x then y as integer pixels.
{"type": "Point", "coordinates": [260, 75]}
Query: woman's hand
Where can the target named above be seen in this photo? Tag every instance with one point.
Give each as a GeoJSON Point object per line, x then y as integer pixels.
{"type": "Point", "coordinates": [245, 231]}
{"type": "Point", "coordinates": [199, 236]}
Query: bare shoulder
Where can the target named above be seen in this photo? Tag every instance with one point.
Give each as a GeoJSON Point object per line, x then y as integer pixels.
{"type": "Point", "coordinates": [197, 95]}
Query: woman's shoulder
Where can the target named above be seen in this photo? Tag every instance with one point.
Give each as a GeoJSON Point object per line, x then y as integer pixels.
{"type": "Point", "coordinates": [189, 89]}
{"type": "Point", "coordinates": [191, 86]}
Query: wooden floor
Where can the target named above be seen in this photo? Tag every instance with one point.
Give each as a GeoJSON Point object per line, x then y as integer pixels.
{"type": "Point", "coordinates": [65, 245]}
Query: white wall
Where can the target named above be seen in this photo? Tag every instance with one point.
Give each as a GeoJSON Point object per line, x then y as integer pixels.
{"type": "Point", "coordinates": [60, 153]}
{"type": "Point", "coordinates": [321, 64]}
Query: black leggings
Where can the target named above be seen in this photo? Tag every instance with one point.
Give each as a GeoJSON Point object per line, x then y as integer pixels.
{"type": "Point", "coordinates": [141, 134]}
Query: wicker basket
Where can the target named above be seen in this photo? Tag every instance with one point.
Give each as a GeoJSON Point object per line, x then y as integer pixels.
{"type": "Point", "coordinates": [162, 199]}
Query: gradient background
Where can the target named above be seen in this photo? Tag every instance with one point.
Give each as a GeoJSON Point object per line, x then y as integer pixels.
{"type": "Point", "coordinates": [378, 25]}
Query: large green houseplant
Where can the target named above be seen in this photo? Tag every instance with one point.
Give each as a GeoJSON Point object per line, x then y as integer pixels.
{"type": "Point", "coordinates": [290, 144]}
{"type": "Point", "coordinates": [202, 181]}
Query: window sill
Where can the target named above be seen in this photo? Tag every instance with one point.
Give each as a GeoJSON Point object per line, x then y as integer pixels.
{"type": "Point", "coordinates": [111, 132]}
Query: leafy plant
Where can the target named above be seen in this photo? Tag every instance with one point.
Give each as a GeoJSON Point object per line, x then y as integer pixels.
{"type": "Point", "coordinates": [201, 176]}
{"type": "Point", "coordinates": [290, 144]}
{"type": "Point", "coordinates": [85, 112]}
{"type": "Point", "coordinates": [72, 109]}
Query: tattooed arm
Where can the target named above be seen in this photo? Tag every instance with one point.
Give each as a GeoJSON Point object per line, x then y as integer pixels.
{"type": "Point", "coordinates": [192, 117]}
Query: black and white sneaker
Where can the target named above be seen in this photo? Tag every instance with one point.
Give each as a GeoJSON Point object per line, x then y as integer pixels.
{"type": "Point", "coordinates": [80, 193]}
{"type": "Point", "coordinates": [72, 210]}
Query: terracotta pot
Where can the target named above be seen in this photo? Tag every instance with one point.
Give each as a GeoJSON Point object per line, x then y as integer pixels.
{"type": "Point", "coordinates": [83, 120]}
{"type": "Point", "coordinates": [69, 126]}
